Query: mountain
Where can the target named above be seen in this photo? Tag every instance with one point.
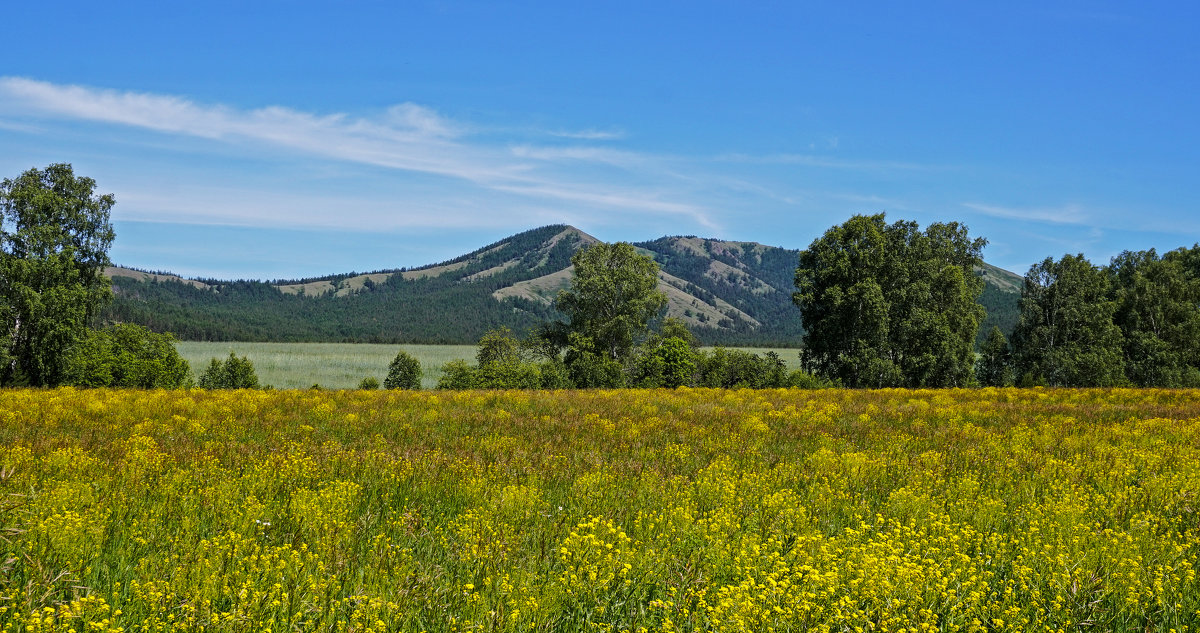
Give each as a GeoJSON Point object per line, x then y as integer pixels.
{"type": "Point", "coordinates": [733, 293]}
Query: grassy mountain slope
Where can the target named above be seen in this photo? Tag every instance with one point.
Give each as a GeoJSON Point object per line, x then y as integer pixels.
{"type": "Point", "coordinates": [729, 292]}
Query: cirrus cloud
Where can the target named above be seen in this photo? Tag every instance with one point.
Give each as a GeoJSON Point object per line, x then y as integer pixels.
{"type": "Point", "coordinates": [407, 137]}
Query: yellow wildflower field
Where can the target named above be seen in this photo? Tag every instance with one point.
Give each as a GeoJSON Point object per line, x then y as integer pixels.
{"type": "Point", "coordinates": [687, 510]}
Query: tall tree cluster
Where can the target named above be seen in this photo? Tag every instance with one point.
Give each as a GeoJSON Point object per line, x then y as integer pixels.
{"type": "Point", "coordinates": [1158, 312]}
{"type": "Point", "coordinates": [883, 305]}
{"type": "Point", "coordinates": [1066, 335]}
{"type": "Point", "coordinates": [890, 305]}
{"type": "Point", "coordinates": [1135, 321]}
{"type": "Point", "coordinates": [54, 240]}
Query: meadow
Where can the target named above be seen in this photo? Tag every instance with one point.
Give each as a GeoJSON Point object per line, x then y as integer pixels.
{"type": "Point", "coordinates": [344, 365]}
{"type": "Point", "coordinates": [639, 510]}
{"type": "Point", "coordinates": [331, 365]}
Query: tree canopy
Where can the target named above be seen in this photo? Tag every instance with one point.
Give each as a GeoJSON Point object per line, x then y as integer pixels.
{"type": "Point", "coordinates": [1066, 335]}
{"type": "Point", "coordinates": [613, 296]}
{"type": "Point", "coordinates": [889, 305]}
{"type": "Point", "coordinates": [54, 240]}
{"type": "Point", "coordinates": [994, 368]}
{"type": "Point", "coordinates": [404, 372]}
{"type": "Point", "coordinates": [1158, 312]}
{"type": "Point", "coordinates": [232, 373]}
{"type": "Point", "coordinates": [127, 355]}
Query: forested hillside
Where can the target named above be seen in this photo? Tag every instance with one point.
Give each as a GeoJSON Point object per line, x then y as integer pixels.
{"type": "Point", "coordinates": [733, 293]}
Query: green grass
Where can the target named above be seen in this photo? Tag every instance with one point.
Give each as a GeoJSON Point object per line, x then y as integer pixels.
{"type": "Point", "coordinates": [789, 356]}
{"type": "Point", "coordinates": [344, 365]}
{"type": "Point", "coordinates": [331, 365]}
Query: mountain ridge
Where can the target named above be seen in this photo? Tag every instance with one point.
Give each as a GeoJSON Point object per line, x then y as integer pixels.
{"type": "Point", "coordinates": [729, 292]}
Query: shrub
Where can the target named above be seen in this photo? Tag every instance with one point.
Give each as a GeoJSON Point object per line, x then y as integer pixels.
{"type": "Point", "coordinates": [370, 383]}
{"type": "Point", "coordinates": [403, 373]}
{"type": "Point", "coordinates": [591, 370]}
{"type": "Point", "coordinates": [508, 375]}
{"type": "Point", "coordinates": [498, 347]}
{"type": "Point", "coordinates": [727, 368]}
{"type": "Point", "coordinates": [671, 363]}
{"type": "Point", "coordinates": [505, 363]}
{"type": "Point", "coordinates": [801, 379]}
{"type": "Point", "coordinates": [127, 355]}
{"type": "Point", "coordinates": [553, 374]}
{"type": "Point", "coordinates": [735, 368]}
{"type": "Point", "coordinates": [501, 363]}
{"type": "Point", "coordinates": [458, 374]}
{"type": "Point", "coordinates": [233, 373]}
{"type": "Point", "coordinates": [647, 370]}
{"type": "Point", "coordinates": [775, 374]}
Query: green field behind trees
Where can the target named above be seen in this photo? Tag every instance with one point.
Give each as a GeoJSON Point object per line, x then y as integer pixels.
{"type": "Point", "coordinates": [344, 365]}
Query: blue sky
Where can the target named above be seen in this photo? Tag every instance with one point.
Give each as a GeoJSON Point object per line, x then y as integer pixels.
{"type": "Point", "coordinates": [288, 139]}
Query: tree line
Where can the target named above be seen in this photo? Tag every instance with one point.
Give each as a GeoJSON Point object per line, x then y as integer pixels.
{"type": "Point", "coordinates": [1134, 322]}
{"type": "Point", "coordinates": [882, 305]}
{"type": "Point", "coordinates": [889, 305]}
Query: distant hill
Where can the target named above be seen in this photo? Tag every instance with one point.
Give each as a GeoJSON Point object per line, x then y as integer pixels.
{"type": "Point", "coordinates": [733, 293]}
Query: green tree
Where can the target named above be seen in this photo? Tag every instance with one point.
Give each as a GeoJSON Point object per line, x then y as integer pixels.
{"type": "Point", "coordinates": [592, 368]}
{"type": "Point", "coordinates": [502, 363]}
{"type": "Point", "coordinates": [543, 346]}
{"type": "Point", "coordinates": [232, 373]}
{"type": "Point", "coordinates": [739, 369]}
{"type": "Point", "coordinates": [498, 347]}
{"type": "Point", "coordinates": [670, 363]}
{"type": "Point", "coordinates": [54, 240]}
{"type": "Point", "coordinates": [775, 373]}
{"type": "Point", "coordinates": [1158, 312]}
{"type": "Point", "coordinates": [404, 372]}
{"type": "Point", "coordinates": [613, 296]}
{"type": "Point", "coordinates": [995, 363]}
{"type": "Point", "coordinates": [675, 328]}
{"type": "Point", "coordinates": [553, 374]}
{"type": "Point", "coordinates": [127, 355]}
{"type": "Point", "coordinates": [668, 358]}
{"type": "Point", "coordinates": [890, 305]}
{"type": "Point", "coordinates": [458, 375]}
{"type": "Point", "coordinates": [1065, 336]}
{"type": "Point", "coordinates": [801, 379]}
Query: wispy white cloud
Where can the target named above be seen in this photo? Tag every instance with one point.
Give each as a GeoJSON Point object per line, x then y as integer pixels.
{"type": "Point", "coordinates": [19, 127]}
{"type": "Point", "coordinates": [1065, 214]}
{"type": "Point", "coordinates": [250, 207]}
{"type": "Point", "coordinates": [406, 137]}
{"type": "Point", "coordinates": [590, 135]}
{"type": "Point", "coordinates": [423, 120]}
{"type": "Point", "coordinates": [410, 138]}
{"type": "Point", "coordinates": [828, 162]}
{"type": "Point", "coordinates": [604, 155]}
{"type": "Point", "coordinates": [627, 200]}
{"type": "Point", "coordinates": [873, 202]}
